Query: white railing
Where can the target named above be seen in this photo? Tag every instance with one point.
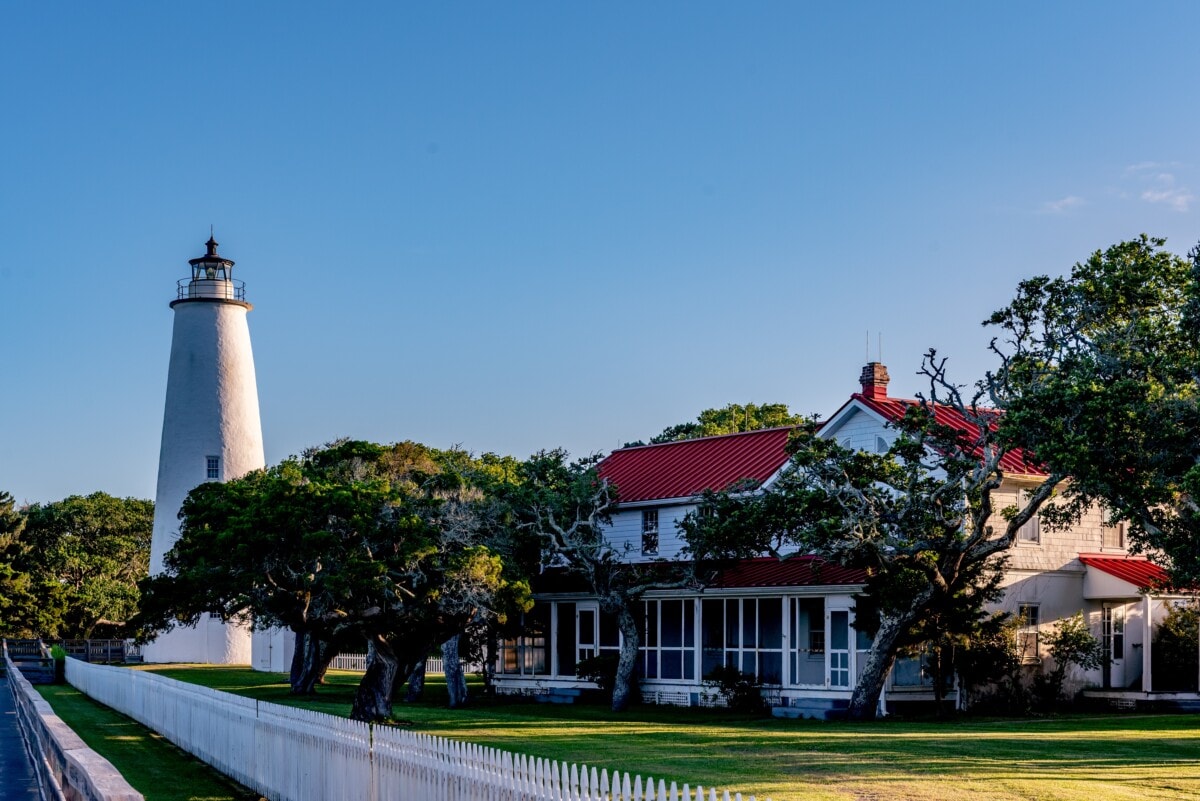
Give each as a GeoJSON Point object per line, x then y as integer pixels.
{"type": "Point", "coordinates": [293, 754]}
{"type": "Point", "coordinates": [358, 663]}
{"type": "Point", "coordinates": [66, 768]}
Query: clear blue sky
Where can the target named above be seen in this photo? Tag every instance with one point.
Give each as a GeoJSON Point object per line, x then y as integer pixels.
{"type": "Point", "coordinates": [513, 226]}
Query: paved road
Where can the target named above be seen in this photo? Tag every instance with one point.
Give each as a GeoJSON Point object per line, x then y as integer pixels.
{"type": "Point", "coordinates": [17, 781]}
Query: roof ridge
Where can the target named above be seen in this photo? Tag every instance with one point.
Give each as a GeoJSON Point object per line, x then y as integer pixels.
{"type": "Point", "coordinates": [701, 439]}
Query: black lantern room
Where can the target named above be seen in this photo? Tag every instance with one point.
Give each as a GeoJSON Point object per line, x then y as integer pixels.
{"type": "Point", "coordinates": [210, 266]}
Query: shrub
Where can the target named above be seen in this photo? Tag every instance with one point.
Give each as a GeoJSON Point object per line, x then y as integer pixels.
{"type": "Point", "coordinates": [740, 690]}
{"type": "Point", "coordinates": [1071, 643]}
{"type": "Point", "coordinates": [1176, 662]}
{"type": "Point", "coordinates": [601, 669]}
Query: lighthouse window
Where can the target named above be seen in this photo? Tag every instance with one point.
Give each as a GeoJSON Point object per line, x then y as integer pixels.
{"type": "Point", "coordinates": [213, 467]}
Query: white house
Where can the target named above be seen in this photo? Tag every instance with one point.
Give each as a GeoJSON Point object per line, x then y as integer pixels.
{"type": "Point", "coordinates": [791, 622]}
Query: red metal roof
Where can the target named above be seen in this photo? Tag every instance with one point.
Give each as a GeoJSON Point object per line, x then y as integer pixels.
{"type": "Point", "coordinates": [892, 409]}
{"type": "Point", "coordinates": [686, 468]}
{"type": "Point", "coordinates": [795, 571]}
{"type": "Point", "coordinates": [1138, 571]}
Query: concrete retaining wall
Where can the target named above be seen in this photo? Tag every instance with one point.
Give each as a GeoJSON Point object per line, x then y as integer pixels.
{"type": "Point", "coordinates": [67, 768]}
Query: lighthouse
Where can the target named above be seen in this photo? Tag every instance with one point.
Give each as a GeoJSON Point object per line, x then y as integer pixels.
{"type": "Point", "coordinates": [211, 432]}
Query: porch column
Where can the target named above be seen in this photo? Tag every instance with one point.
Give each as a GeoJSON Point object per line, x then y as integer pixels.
{"type": "Point", "coordinates": [1147, 631]}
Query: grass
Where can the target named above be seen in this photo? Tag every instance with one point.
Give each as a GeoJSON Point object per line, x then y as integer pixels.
{"type": "Point", "coordinates": [1064, 758]}
{"type": "Point", "coordinates": [155, 767]}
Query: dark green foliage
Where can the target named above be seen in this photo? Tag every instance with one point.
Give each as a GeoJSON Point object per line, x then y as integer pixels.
{"type": "Point", "coordinates": [1070, 644]}
{"type": "Point", "coordinates": [72, 570]}
{"type": "Point", "coordinates": [601, 669]}
{"type": "Point", "coordinates": [1099, 378]}
{"type": "Point", "coordinates": [351, 543]}
{"type": "Point", "coordinates": [1176, 659]}
{"type": "Point", "coordinates": [740, 691]}
{"type": "Point", "coordinates": [731, 419]}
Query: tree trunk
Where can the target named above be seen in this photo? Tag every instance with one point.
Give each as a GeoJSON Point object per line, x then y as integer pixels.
{"type": "Point", "coordinates": [627, 664]}
{"type": "Point", "coordinates": [373, 698]}
{"type": "Point", "coordinates": [456, 680]}
{"type": "Point", "coordinates": [416, 683]}
{"type": "Point", "coordinates": [307, 666]}
{"type": "Point", "coordinates": [880, 658]}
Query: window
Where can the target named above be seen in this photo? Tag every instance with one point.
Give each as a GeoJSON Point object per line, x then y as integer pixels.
{"type": "Point", "coordinates": [746, 634]}
{"type": "Point", "coordinates": [1031, 532]}
{"type": "Point", "coordinates": [1112, 536]}
{"type": "Point", "coordinates": [650, 532]}
{"type": "Point", "coordinates": [523, 647]}
{"type": "Point", "coordinates": [1028, 645]}
{"type": "Point", "coordinates": [669, 640]}
{"type": "Point", "coordinates": [212, 468]}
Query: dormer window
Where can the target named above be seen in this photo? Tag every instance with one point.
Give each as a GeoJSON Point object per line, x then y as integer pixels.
{"type": "Point", "coordinates": [650, 532]}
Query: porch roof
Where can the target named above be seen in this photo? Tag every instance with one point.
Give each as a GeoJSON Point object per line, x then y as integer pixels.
{"type": "Point", "coordinates": [1121, 576]}
{"type": "Point", "coordinates": [794, 571]}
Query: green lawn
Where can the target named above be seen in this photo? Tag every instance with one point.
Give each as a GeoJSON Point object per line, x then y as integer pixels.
{"type": "Point", "coordinates": [1070, 758]}
{"type": "Point", "coordinates": [155, 767]}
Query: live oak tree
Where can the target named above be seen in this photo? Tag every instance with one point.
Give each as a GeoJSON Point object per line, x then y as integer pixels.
{"type": "Point", "coordinates": [1100, 376]}
{"type": "Point", "coordinates": [21, 613]}
{"type": "Point", "coordinates": [731, 419]}
{"type": "Point", "coordinates": [352, 543]}
{"type": "Point", "coordinates": [85, 556]}
{"type": "Point", "coordinates": [921, 518]}
{"type": "Point", "coordinates": [569, 506]}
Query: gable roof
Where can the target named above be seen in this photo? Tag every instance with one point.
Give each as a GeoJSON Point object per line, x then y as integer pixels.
{"type": "Point", "coordinates": [686, 468]}
{"type": "Point", "coordinates": [1016, 461]}
{"type": "Point", "coordinates": [1140, 572]}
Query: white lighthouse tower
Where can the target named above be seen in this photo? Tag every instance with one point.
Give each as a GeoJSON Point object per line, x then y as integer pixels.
{"type": "Point", "coordinates": [211, 432]}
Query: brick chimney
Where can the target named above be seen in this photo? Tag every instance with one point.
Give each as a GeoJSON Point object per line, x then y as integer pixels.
{"type": "Point", "coordinates": [874, 380]}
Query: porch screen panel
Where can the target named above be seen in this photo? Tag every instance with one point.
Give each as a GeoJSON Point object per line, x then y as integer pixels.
{"type": "Point", "coordinates": [525, 650]}
{"type": "Point", "coordinates": [839, 649]}
{"type": "Point", "coordinates": [770, 641]}
{"type": "Point", "coordinates": [610, 633]}
{"type": "Point", "coordinates": [565, 638]}
{"type": "Point", "coordinates": [670, 640]}
{"type": "Point", "coordinates": [712, 635]}
{"type": "Point", "coordinates": [807, 651]}
{"type": "Point", "coordinates": [862, 646]}
{"type": "Point", "coordinates": [587, 633]}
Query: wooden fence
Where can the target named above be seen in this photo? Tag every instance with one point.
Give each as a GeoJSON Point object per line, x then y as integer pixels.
{"type": "Point", "coordinates": [358, 663]}
{"type": "Point", "coordinates": [290, 754]}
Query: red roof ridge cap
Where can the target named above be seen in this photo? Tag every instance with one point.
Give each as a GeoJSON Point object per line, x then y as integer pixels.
{"type": "Point", "coordinates": [701, 439]}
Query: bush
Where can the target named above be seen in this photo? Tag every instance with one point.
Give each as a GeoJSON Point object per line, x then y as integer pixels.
{"type": "Point", "coordinates": [601, 669]}
{"type": "Point", "coordinates": [1071, 643]}
{"type": "Point", "coordinates": [740, 691]}
{"type": "Point", "coordinates": [1176, 662]}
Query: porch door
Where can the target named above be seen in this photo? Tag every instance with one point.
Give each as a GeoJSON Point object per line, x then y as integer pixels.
{"type": "Point", "coordinates": [1113, 639]}
{"type": "Point", "coordinates": [839, 648]}
{"type": "Point", "coordinates": [586, 619]}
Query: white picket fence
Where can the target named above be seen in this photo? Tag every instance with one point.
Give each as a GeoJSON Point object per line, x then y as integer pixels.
{"type": "Point", "coordinates": [358, 663]}
{"type": "Point", "coordinates": [290, 754]}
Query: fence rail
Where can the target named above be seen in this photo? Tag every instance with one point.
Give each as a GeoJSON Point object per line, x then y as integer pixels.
{"type": "Point", "coordinates": [358, 663]}
{"type": "Point", "coordinates": [297, 754]}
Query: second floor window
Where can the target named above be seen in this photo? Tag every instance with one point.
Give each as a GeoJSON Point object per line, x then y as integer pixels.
{"type": "Point", "coordinates": [1031, 532]}
{"type": "Point", "coordinates": [212, 468]}
{"type": "Point", "coordinates": [650, 532]}
{"type": "Point", "coordinates": [1112, 536]}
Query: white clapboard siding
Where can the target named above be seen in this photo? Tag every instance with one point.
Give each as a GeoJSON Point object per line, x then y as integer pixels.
{"type": "Point", "coordinates": [290, 754]}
